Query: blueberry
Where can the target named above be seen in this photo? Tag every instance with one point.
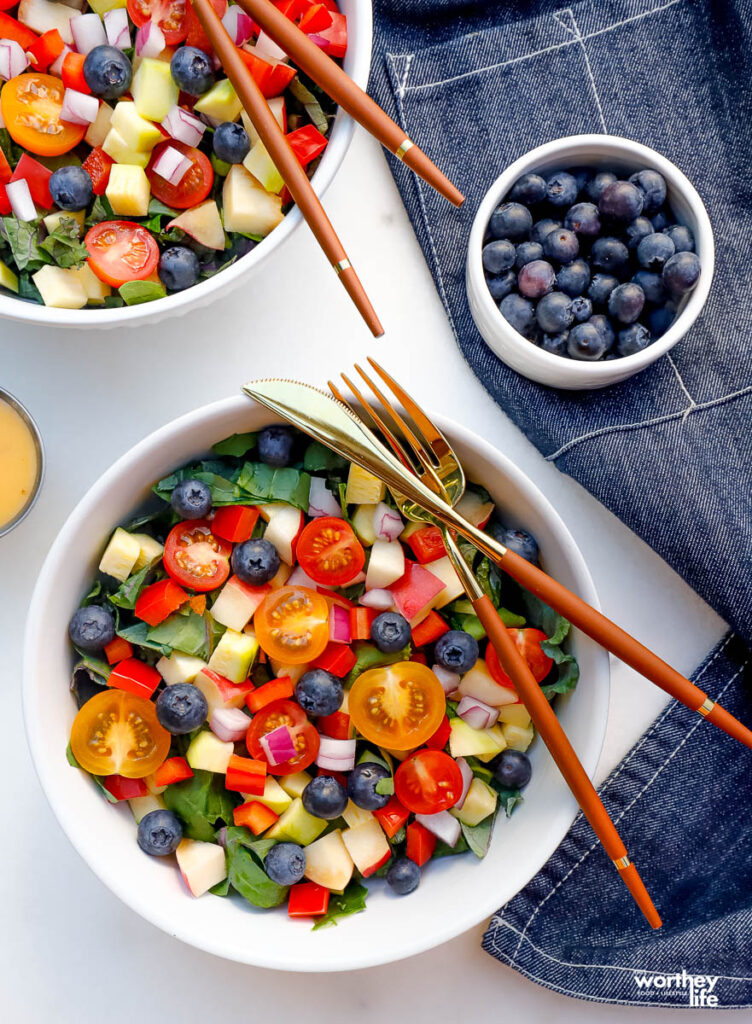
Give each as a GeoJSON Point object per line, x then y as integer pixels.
{"type": "Point", "coordinates": [390, 631]}
{"type": "Point", "coordinates": [403, 876]}
{"type": "Point", "coordinates": [518, 313]}
{"type": "Point", "coordinates": [583, 218]}
{"type": "Point", "coordinates": [586, 342]}
{"type": "Point", "coordinates": [603, 325]}
{"type": "Point", "coordinates": [325, 797]}
{"type": "Point", "coordinates": [191, 499]}
{"type": "Point", "coordinates": [255, 561]}
{"type": "Point", "coordinates": [625, 302]}
{"type": "Point", "coordinates": [456, 651]}
{"type": "Point", "coordinates": [609, 254]}
{"type": "Point", "coordinates": [554, 312]}
{"type": "Point", "coordinates": [652, 286]}
{"type": "Point", "coordinates": [638, 229]}
{"type": "Point", "coordinates": [71, 188]}
{"type": "Point", "coordinates": [633, 339]}
{"type": "Point", "coordinates": [582, 309]}
{"type": "Point", "coordinates": [561, 188]}
{"type": "Point", "coordinates": [181, 708]}
{"type": "Point", "coordinates": [159, 833]}
{"type": "Point", "coordinates": [498, 256]}
{"type": "Point", "coordinates": [107, 72]}
{"type": "Point", "coordinates": [530, 189]}
{"type": "Point", "coordinates": [92, 628]}
{"type": "Point", "coordinates": [527, 252]}
{"type": "Point", "coordinates": [522, 543]}
{"type": "Point", "coordinates": [178, 268]}
{"type": "Point", "coordinates": [513, 769]}
{"type": "Point", "coordinates": [654, 251]}
{"type": "Point", "coordinates": [556, 344]}
{"type": "Point", "coordinates": [595, 187]}
{"type": "Point", "coordinates": [573, 278]}
{"type": "Point", "coordinates": [561, 245]}
{"type": "Point", "coordinates": [681, 273]}
{"type": "Point", "coordinates": [192, 70]}
{"type": "Point", "coordinates": [361, 785]}
{"type": "Point", "coordinates": [536, 279]}
{"type": "Point", "coordinates": [231, 142]}
{"type": "Point", "coordinates": [621, 200]}
{"type": "Point", "coordinates": [285, 863]}
{"type": "Point", "coordinates": [511, 220]}
{"type": "Point", "coordinates": [660, 320]}
{"type": "Point", "coordinates": [681, 236]}
{"type": "Point", "coordinates": [501, 286]}
{"type": "Point", "coordinates": [600, 288]}
{"type": "Point", "coordinates": [653, 188]}
{"type": "Point", "coordinates": [660, 221]}
{"type": "Point", "coordinates": [542, 228]}
{"type": "Point", "coordinates": [582, 176]}
{"type": "Point", "coordinates": [319, 692]}
{"type": "Point", "coordinates": [275, 445]}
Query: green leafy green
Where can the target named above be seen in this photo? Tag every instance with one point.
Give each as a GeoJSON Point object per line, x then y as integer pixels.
{"type": "Point", "coordinates": [399, 837]}
{"type": "Point", "coordinates": [27, 289]}
{"type": "Point", "coordinates": [385, 787]}
{"type": "Point", "coordinates": [11, 150]}
{"type": "Point", "coordinates": [185, 633]}
{"type": "Point", "coordinates": [262, 483]}
{"type": "Point", "coordinates": [568, 677]}
{"type": "Point", "coordinates": [369, 656]}
{"type": "Point", "coordinates": [224, 491]}
{"type": "Point", "coordinates": [245, 868]}
{"type": "Point", "coordinates": [443, 850]}
{"type": "Point", "coordinates": [99, 668]}
{"type": "Point", "coordinates": [489, 578]}
{"type": "Point", "coordinates": [133, 293]}
{"type": "Point", "coordinates": [63, 244]}
{"type": "Point", "coordinates": [200, 803]}
{"type": "Point", "coordinates": [70, 756]}
{"type": "Point", "coordinates": [508, 798]}
{"type": "Point", "coordinates": [351, 901]}
{"type": "Point", "coordinates": [127, 593]}
{"type": "Point", "coordinates": [221, 888]}
{"type": "Point", "coordinates": [318, 458]}
{"type": "Point", "coordinates": [478, 837]}
{"type": "Point", "coordinates": [22, 238]}
{"type": "Point", "coordinates": [138, 634]}
{"type": "Point", "coordinates": [545, 618]}
{"type": "Point", "coordinates": [310, 104]}
{"type": "Point", "coordinates": [236, 445]}
{"type": "Point", "coordinates": [96, 590]}
{"type": "Point", "coordinates": [101, 210]}
{"type": "Point", "coordinates": [369, 756]}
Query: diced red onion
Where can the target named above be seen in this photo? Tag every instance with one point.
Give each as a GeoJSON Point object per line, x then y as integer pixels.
{"type": "Point", "coordinates": [56, 68]}
{"type": "Point", "coordinates": [467, 778]}
{"type": "Point", "coordinates": [238, 24]}
{"type": "Point", "coordinates": [339, 624]}
{"type": "Point", "coordinates": [13, 60]}
{"type": "Point", "coordinates": [117, 28]}
{"type": "Point", "coordinates": [20, 199]}
{"type": "Point", "coordinates": [150, 40]}
{"type": "Point", "coordinates": [300, 578]}
{"type": "Point", "coordinates": [267, 49]}
{"type": "Point", "coordinates": [443, 825]}
{"type": "Point", "coordinates": [78, 107]}
{"type": "Point", "coordinates": [387, 523]}
{"type": "Point", "coordinates": [229, 724]}
{"type": "Point", "coordinates": [222, 834]}
{"type": "Point", "coordinates": [322, 43]}
{"type": "Point", "coordinates": [380, 599]}
{"type": "Point", "coordinates": [321, 501]}
{"type": "Point", "coordinates": [88, 32]}
{"type": "Point", "coordinates": [449, 680]}
{"type": "Point", "coordinates": [183, 125]}
{"type": "Point", "coordinates": [336, 755]}
{"type": "Point", "coordinates": [172, 165]}
{"type": "Point", "coordinates": [477, 714]}
{"type": "Point", "coordinates": [278, 745]}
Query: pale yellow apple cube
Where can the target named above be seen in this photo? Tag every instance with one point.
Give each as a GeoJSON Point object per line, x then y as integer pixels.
{"type": "Point", "coordinates": [128, 190]}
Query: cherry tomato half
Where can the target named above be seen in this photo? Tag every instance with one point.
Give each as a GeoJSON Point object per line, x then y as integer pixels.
{"type": "Point", "coordinates": [195, 558]}
{"type": "Point", "coordinates": [329, 552]}
{"type": "Point", "coordinates": [304, 735]}
{"type": "Point", "coordinates": [120, 251]}
{"type": "Point", "coordinates": [170, 15]}
{"type": "Point", "coordinates": [117, 733]}
{"type": "Point", "coordinates": [292, 625]}
{"type": "Point", "coordinates": [31, 105]}
{"type": "Point", "coordinates": [528, 643]}
{"type": "Point", "coordinates": [195, 184]}
{"type": "Point", "coordinates": [398, 706]}
{"type": "Point", "coordinates": [428, 781]}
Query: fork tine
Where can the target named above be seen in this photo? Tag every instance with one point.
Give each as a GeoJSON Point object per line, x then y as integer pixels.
{"type": "Point", "coordinates": [396, 445]}
{"type": "Point", "coordinates": [431, 432]}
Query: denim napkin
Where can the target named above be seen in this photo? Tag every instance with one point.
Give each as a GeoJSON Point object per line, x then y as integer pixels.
{"type": "Point", "coordinates": [477, 85]}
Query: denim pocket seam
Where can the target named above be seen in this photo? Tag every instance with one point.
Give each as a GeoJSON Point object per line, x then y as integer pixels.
{"type": "Point", "coordinates": [574, 29]}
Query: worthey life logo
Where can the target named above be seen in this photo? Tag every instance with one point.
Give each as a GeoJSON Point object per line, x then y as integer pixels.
{"type": "Point", "coordinates": [698, 987]}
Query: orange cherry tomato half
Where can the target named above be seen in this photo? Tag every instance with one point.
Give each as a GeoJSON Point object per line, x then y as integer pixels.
{"type": "Point", "coordinates": [31, 105]}
{"type": "Point", "coordinates": [304, 735]}
{"type": "Point", "coordinates": [528, 643]}
{"type": "Point", "coordinates": [329, 552]}
{"type": "Point", "coordinates": [195, 558]}
{"type": "Point", "coordinates": [170, 15]}
{"type": "Point", "coordinates": [195, 184]}
{"type": "Point", "coordinates": [398, 706]}
{"type": "Point", "coordinates": [120, 251]}
{"type": "Point", "coordinates": [117, 733]}
{"type": "Point", "coordinates": [292, 625]}
{"type": "Point", "coordinates": [428, 781]}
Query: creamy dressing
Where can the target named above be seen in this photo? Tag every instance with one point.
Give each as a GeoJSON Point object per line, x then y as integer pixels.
{"type": "Point", "coordinates": [19, 464]}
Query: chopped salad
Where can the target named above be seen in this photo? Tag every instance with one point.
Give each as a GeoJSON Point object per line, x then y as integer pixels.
{"type": "Point", "coordinates": [128, 168]}
{"type": "Point", "coordinates": [285, 682]}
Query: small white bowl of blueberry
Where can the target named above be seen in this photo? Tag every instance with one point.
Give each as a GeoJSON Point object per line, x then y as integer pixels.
{"type": "Point", "coordinates": [589, 258]}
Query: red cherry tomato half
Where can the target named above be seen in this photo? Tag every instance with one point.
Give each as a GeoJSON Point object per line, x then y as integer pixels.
{"type": "Point", "coordinates": [528, 643]}
{"type": "Point", "coordinates": [428, 781]}
{"type": "Point", "coordinates": [170, 15]}
{"type": "Point", "coordinates": [304, 735]}
{"type": "Point", "coordinates": [193, 187]}
{"type": "Point", "coordinates": [329, 552]}
{"type": "Point", "coordinates": [195, 558]}
{"type": "Point", "coordinates": [121, 251]}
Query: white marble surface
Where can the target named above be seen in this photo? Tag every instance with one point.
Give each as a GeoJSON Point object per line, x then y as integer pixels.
{"type": "Point", "coordinates": [69, 951]}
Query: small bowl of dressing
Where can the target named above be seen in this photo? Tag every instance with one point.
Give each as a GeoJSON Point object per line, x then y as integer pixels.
{"type": "Point", "coordinates": [21, 462]}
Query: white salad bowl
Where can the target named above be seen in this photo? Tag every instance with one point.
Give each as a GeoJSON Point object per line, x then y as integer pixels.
{"type": "Point", "coordinates": [455, 893]}
{"type": "Point", "coordinates": [357, 64]}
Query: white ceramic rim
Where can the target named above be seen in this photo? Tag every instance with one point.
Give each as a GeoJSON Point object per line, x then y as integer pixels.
{"type": "Point", "coordinates": [588, 374]}
{"type": "Point", "coordinates": [357, 63]}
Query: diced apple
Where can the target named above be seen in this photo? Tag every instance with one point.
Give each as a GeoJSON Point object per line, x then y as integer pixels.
{"type": "Point", "coordinates": [444, 569]}
{"type": "Point", "coordinates": [518, 737]}
{"type": "Point", "coordinates": [202, 865]}
{"type": "Point", "coordinates": [363, 488]}
{"type": "Point", "coordinates": [295, 672]}
{"type": "Point", "coordinates": [328, 863]}
{"type": "Point", "coordinates": [143, 805]}
{"type": "Point", "coordinates": [115, 146]}
{"type": "Point", "coordinates": [128, 190]}
{"type": "Point", "coordinates": [514, 714]}
{"type": "Point", "coordinates": [96, 292]}
{"type": "Point", "coordinates": [120, 555]}
{"type": "Point", "coordinates": [274, 797]}
{"type": "Point", "coordinates": [355, 815]}
{"type": "Point", "coordinates": [150, 550]}
{"type": "Point", "coordinates": [8, 279]}
{"type": "Point", "coordinates": [153, 89]}
{"type": "Point", "coordinates": [233, 655]}
{"type": "Point", "coordinates": [206, 752]}
{"type": "Point", "coordinates": [258, 163]}
{"type": "Point", "coordinates": [247, 206]}
{"type": "Point", "coordinates": [362, 523]}
{"type": "Point", "coordinates": [237, 603]}
{"type": "Point", "coordinates": [479, 803]}
{"type": "Point", "coordinates": [498, 737]}
{"type": "Point", "coordinates": [101, 7]}
{"type": "Point", "coordinates": [221, 692]}
{"type": "Point", "coordinates": [277, 107]}
{"type": "Point", "coordinates": [59, 288]}
{"type": "Point", "coordinates": [386, 564]}
{"type": "Point", "coordinates": [283, 530]}
{"type": "Point", "coordinates": [474, 509]}
{"type": "Point", "coordinates": [41, 16]}
{"type": "Point", "coordinates": [464, 741]}
{"type": "Point", "coordinates": [297, 825]}
{"type": "Point", "coordinates": [52, 220]}
{"type": "Point", "coordinates": [97, 131]}
{"type": "Point", "coordinates": [479, 683]}
{"type": "Point", "coordinates": [202, 223]}
{"type": "Point", "coordinates": [294, 784]}
{"type": "Point", "coordinates": [368, 846]}
{"type": "Point", "coordinates": [443, 825]}
{"type": "Point", "coordinates": [179, 668]}
{"type": "Point", "coordinates": [138, 133]}
{"type": "Point", "coordinates": [220, 103]}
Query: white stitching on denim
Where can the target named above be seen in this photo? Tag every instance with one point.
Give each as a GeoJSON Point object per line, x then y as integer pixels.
{"type": "Point", "coordinates": [403, 83]}
{"type": "Point", "coordinates": [575, 30]}
{"type": "Point", "coordinates": [683, 386]}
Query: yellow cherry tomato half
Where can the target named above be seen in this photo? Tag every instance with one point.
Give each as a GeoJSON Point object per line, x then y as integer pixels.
{"type": "Point", "coordinates": [117, 733]}
{"type": "Point", "coordinates": [31, 105]}
{"type": "Point", "coordinates": [292, 625]}
{"type": "Point", "coordinates": [398, 706]}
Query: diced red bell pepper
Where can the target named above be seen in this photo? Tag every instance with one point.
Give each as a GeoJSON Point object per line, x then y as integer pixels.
{"type": "Point", "coordinates": [315, 19]}
{"type": "Point", "coordinates": [255, 816]}
{"type": "Point", "coordinates": [420, 843]}
{"type": "Point", "coordinates": [124, 789]}
{"type": "Point", "coordinates": [392, 817]}
{"type": "Point", "coordinates": [6, 172]}
{"type": "Point", "coordinates": [307, 143]}
{"type": "Point", "coordinates": [336, 726]}
{"type": "Point", "coordinates": [332, 597]}
{"type": "Point", "coordinates": [135, 676]}
{"type": "Point", "coordinates": [158, 601]}
{"type": "Point", "coordinates": [337, 659]}
{"type": "Point", "coordinates": [331, 5]}
{"type": "Point", "coordinates": [195, 35]}
{"type": "Point", "coordinates": [293, 9]}
{"type": "Point", "coordinates": [361, 620]}
{"type": "Point", "coordinates": [335, 36]}
{"type": "Point", "coordinates": [235, 522]}
{"type": "Point", "coordinates": [427, 544]}
{"type": "Point", "coordinates": [429, 629]}
{"type": "Point", "coordinates": [415, 590]}
{"type": "Point", "coordinates": [174, 769]}
{"type": "Point", "coordinates": [441, 737]}
{"type": "Point", "coordinates": [72, 72]}
{"type": "Point", "coordinates": [118, 650]}
{"type": "Point", "coordinates": [37, 178]}
{"type": "Point", "coordinates": [272, 79]}
{"type": "Point", "coordinates": [12, 29]}
{"type": "Point", "coordinates": [246, 775]}
{"type": "Point", "coordinates": [420, 657]}
{"type": "Point", "coordinates": [45, 50]}
{"type": "Point", "coordinates": [98, 165]}
{"type": "Point", "coordinates": [307, 899]}
{"type": "Point", "coordinates": [276, 689]}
